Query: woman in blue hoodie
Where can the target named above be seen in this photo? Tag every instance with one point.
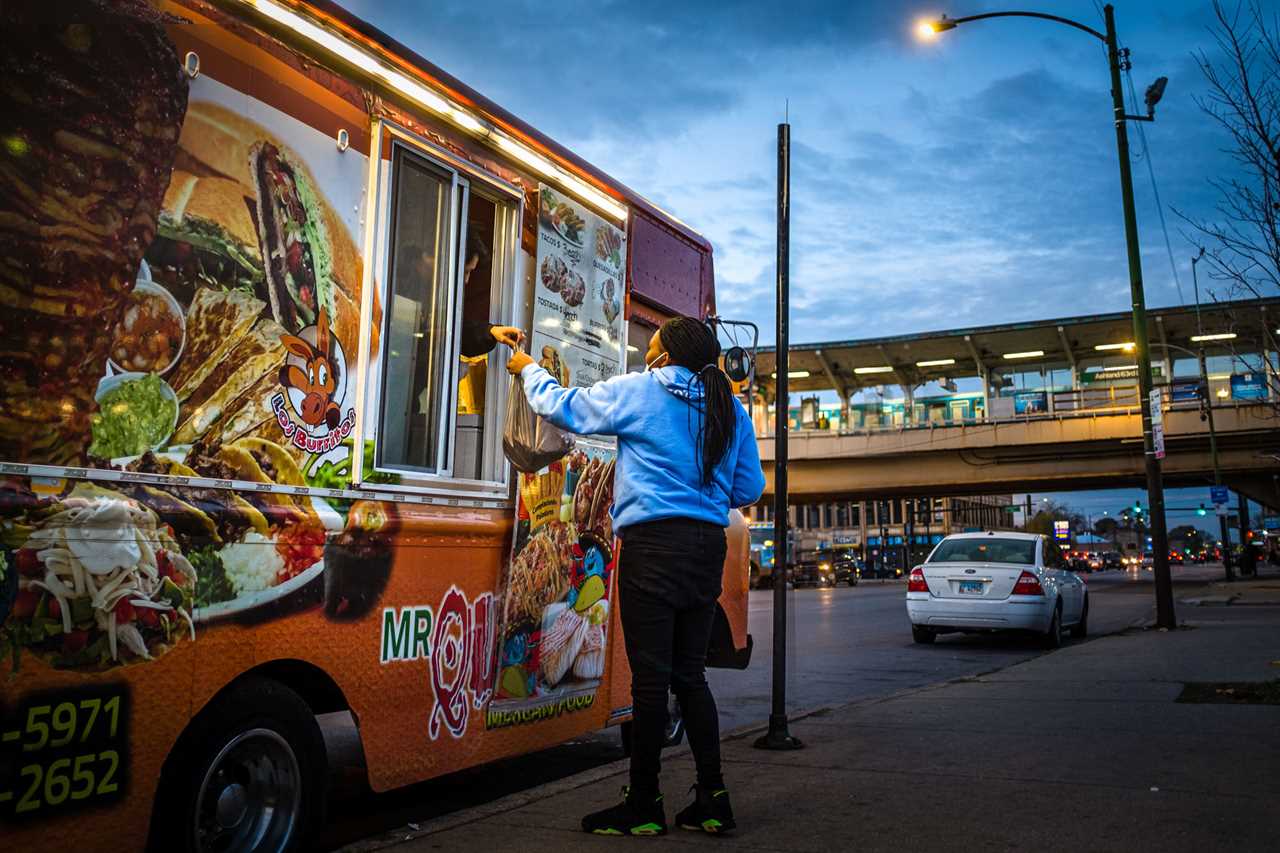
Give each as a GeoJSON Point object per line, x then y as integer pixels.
{"type": "Point", "coordinates": [686, 455]}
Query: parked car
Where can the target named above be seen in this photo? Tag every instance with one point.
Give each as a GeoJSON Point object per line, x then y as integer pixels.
{"type": "Point", "coordinates": [996, 581]}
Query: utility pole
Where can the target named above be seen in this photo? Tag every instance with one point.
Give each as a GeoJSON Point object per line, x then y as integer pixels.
{"type": "Point", "coordinates": [1248, 565]}
{"type": "Point", "coordinates": [1206, 402]}
{"type": "Point", "coordinates": [1165, 617]}
{"type": "Point", "coordinates": [779, 734]}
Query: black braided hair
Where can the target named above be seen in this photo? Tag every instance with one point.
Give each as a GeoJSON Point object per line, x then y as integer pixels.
{"type": "Point", "coordinates": [689, 343]}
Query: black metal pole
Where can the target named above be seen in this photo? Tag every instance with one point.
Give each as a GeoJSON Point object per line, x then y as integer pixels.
{"type": "Point", "coordinates": [1248, 565]}
{"type": "Point", "coordinates": [778, 736]}
{"type": "Point", "coordinates": [1165, 617]}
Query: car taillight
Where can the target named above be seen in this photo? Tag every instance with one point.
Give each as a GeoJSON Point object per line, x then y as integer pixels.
{"type": "Point", "coordinates": [1028, 584]}
{"type": "Point", "coordinates": [916, 581]}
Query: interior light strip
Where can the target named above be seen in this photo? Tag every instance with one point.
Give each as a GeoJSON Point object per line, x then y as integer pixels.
{"type": "Point", "coordinates": [420, 94]}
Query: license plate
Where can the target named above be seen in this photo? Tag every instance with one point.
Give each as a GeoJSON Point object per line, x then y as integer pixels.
{"type": "Point", "coordinates": [971, 587]}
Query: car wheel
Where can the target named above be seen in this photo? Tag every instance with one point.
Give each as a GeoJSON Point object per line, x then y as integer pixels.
{"type": "Point", "coordinates": [922, 635]}
{"type": "Point", "coordinates": [1053, 637]}
{"type": "Point", "coordinates": [250, 774]}
{"type": "Point", "coordinates": [853, 581]}
{"type": "Point", "coordinates": [1080, 630]}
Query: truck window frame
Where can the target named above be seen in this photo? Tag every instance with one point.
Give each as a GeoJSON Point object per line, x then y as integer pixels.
{"type": "Point", "coordinates": [509, 305]}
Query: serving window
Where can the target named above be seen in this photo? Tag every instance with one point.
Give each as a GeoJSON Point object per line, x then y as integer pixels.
{"type": "Point", "coordinates": [451, 251]}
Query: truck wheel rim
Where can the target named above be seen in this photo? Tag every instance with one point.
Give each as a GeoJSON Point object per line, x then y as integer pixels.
{"type": "Point", "coordinates": [250, 796]}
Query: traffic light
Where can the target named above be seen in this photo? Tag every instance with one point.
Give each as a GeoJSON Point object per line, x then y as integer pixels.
{"type": "Point", "coordinates": [1201, 510]}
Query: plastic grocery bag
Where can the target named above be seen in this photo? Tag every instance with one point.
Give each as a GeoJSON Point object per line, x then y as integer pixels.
{"type": "Point", "coordinates": [531, 442]}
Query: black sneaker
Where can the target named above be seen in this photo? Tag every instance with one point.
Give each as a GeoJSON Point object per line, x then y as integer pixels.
{"type": "Point", "coordinates": [628, 817]}
{"type": "Point", "coordinates": [709, 812]}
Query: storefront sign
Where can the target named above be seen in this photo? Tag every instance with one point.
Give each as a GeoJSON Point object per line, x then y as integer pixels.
{"type": "Point", "coordinates": [1095, 375]}
{"type": "Point", "coordinates": [1062, 531]}
{"type": "Point", "coordinates": [1248, 386]}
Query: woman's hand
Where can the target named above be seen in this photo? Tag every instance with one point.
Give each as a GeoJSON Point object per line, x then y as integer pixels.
{"type": "Point", "coordinates": [518, 362]}
{"type": "Point", "coordinates": [509, 335]}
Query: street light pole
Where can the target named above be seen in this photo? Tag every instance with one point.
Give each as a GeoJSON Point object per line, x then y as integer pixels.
{"type": "Point", "coordinates": [1117, 59]}
{"type": "Point", "coordinates": [1207, 402]}
{"type": "Point", "coordinates": [1155, 482]}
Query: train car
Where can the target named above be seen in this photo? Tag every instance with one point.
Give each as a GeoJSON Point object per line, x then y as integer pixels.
{"type": "Point", "coordinates": [251, 451]}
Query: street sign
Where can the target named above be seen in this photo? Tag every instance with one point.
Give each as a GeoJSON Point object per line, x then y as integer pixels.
{"type": "Point", "coordinates": [1157, 423]}
{"type": "Point", "coordinates": [1220, 495]}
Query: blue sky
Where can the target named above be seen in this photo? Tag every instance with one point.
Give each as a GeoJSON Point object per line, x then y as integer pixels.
{"type": "Point", "coordinates": [968, 180]}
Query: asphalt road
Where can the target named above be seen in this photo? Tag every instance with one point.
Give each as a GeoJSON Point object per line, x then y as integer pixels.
{"type": "Point", "coordinates": [844, 644]}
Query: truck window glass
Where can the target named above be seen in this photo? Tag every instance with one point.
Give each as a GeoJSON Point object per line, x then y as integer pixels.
{"type": "Point", "coordinates": [410, 423]}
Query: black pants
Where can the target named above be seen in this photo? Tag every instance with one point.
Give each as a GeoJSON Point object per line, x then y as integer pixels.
{"type": "Point", "coordinates": [668, 584]}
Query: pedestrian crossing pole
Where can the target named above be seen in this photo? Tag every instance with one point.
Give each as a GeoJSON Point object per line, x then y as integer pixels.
{"type": "Point", "coordinates": [779, 735]}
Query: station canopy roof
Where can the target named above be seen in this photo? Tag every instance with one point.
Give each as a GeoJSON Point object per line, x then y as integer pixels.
{"type": "Point", "coordinates": [935, 356]}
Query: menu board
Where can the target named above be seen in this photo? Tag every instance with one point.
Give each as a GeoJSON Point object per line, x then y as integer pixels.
{"type": "Point", "coordinates": [558, 588]}
{"type": "Point", "coordinates": [577, 313]}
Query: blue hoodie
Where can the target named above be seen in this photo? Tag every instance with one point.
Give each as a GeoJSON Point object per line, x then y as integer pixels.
{"type": "Point", "coordinates": [655, 416]}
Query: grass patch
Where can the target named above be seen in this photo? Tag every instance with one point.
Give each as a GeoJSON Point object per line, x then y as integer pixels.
{"type": "Point", "coordinates": [1231, 693]}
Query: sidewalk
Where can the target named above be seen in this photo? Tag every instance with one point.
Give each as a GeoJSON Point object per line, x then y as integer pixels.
{"type": "Point", "coordinates": [1262, 589]}
{"type": "Point", "coordinates": [1082, 749]}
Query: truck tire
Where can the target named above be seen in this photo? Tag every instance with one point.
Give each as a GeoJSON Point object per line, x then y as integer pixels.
{"type": "Point", "coordinates": [249, 774]}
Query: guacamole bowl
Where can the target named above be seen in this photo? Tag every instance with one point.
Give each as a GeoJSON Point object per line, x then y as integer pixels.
{"type": "Point", "coordinates": [137, 412]}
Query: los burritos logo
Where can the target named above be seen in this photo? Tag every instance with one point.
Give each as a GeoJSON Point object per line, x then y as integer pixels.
{"type": "Point", "coordinates": [314, 381]}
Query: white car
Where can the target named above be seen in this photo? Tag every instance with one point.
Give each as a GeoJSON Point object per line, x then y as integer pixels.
{"type": "Point", "coordinates": [996, 581]}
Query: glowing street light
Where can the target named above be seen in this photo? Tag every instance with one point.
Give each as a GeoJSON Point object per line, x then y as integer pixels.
{"type": "Point", "coordinates": [1118, 61]}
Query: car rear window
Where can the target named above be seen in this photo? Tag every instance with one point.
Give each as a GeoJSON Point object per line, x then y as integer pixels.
{"type": "Point", "coordinates": [987, 550]}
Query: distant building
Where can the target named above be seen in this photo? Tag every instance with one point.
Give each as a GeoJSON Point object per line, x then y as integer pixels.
{"type": "Point", "coordinates": [878, 531]}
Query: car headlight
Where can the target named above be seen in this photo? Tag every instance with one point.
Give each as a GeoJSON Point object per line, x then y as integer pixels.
{"type": "Point", "coordinates": [825, 567]}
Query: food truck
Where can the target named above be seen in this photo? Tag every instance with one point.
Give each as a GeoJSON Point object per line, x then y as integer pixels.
{"type": "Point", "coordinates": [251, 451]}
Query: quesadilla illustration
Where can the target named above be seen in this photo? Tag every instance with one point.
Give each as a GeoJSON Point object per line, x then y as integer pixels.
{"type": "Point", "coordinates": [216, 321]}
{"type": "Point", "coordinates": [250, 411]}
{"type": "Point", "coordinates": [257, 354]}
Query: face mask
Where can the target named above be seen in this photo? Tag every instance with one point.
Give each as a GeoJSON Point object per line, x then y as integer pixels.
{"type": "Point", "coordinates": [653, 365]}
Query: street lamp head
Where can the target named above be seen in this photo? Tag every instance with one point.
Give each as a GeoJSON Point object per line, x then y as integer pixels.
{"type": "Point", "coordinates": [928, 29]}
{"type": "Point", "coordinates": [1154, 93]}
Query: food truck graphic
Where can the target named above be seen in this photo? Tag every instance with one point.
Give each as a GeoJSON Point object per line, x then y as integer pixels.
{"type": "Point", "coordinates": [251, 463]}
